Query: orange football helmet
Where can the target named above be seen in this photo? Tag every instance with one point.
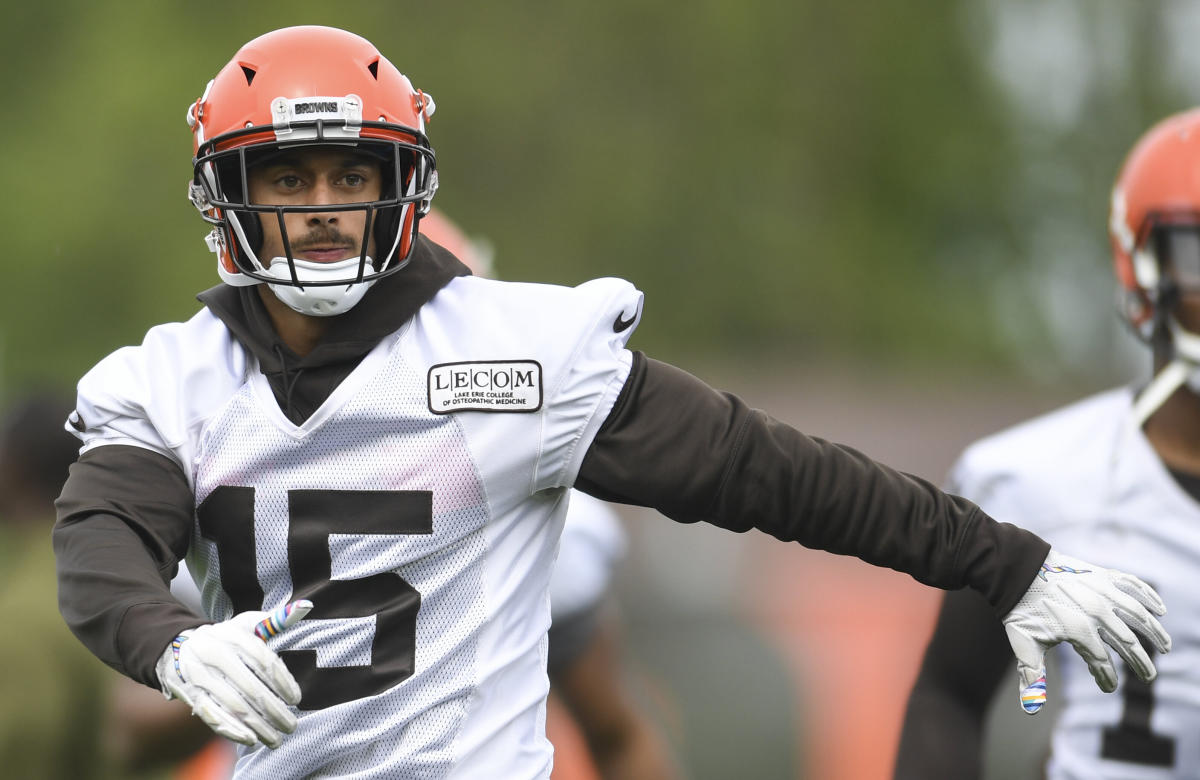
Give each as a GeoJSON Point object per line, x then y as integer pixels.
{"type": "Point", "coordinates": [1154, 229]}
{"type": "Point", "coordinates": [302, 86]}
{"type": "Point", "coordinates": [1155, 220]}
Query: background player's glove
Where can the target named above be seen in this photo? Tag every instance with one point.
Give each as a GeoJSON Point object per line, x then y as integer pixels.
{"type": "Point", "coordinates": [1088, 606]}
{"type": "Point", "coordinates": [230, 678]}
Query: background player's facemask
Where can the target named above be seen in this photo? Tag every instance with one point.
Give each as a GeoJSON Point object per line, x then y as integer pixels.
{"type": "Point", "coordinates": [1169, 265]}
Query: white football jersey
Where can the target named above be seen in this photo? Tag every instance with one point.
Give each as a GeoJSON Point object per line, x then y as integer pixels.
{"type": "Point", "coordinates": [419, 508]}
{"type": "Point", "coordinates": [1086, 479]}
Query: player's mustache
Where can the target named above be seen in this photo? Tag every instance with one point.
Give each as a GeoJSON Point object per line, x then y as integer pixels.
{"type": "Point", "coordinates": [323, 237]}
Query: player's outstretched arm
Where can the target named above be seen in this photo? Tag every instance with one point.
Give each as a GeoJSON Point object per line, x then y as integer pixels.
{"type": "Point", "coordinates": [230, 678]}
{"type": "Point", "coordinates": [1088, 606]}
{"type": "Point", "coordinates": [747, 470]}
{"type": "Point", "coordinates": [964, 664]}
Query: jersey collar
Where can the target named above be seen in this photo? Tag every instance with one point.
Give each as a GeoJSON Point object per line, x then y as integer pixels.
{"type": "Point", "coordinates": [389, 303]}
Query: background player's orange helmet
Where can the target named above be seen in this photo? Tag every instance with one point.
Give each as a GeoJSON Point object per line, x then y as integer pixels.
{"type": "Point", "coordinates": [474, 253]}
{"type": "Point", "coordinates": [303, 86]}
{"type": "Point", "coordinates": [1155, 219]}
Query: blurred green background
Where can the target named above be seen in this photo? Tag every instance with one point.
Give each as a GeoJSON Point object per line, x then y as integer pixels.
{"type": "Point", "coordinates": [884, 221]}
{"type": "Point", "coordinates": [918, 183]}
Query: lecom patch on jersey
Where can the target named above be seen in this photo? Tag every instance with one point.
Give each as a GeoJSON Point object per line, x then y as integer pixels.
{"type": "Point", "coordinates": [486, 386]}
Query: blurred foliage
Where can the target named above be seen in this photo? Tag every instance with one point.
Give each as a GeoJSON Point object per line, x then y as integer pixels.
{"type": "Point", "coordinates": [785, 180]}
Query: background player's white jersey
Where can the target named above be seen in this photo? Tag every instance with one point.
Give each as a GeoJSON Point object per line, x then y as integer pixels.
{"type": "Point", "coordinates": [419, 508]}
{"type": "Point", "coordinates": [1085, 479]}
{"type": "Point", "coordinates": [592, 544]}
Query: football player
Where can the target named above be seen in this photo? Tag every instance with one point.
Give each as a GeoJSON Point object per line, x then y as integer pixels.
{"type": "Point", "coordinates": [365, 453]}
{"type": "Point", "coordinates": [1115, 477]}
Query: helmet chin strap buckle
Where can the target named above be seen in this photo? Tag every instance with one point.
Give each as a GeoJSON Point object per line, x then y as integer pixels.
{"type": "Point", "coordinates": [1156, 393]}
{"type": "Point", "coordinates": [214, 241]}
{"type": "Point", "coordinates": [198, 198]}
{"type": "Point", "coordinates": [1184, 368]}
{"type": "Point", "coordinates": [426, 204]}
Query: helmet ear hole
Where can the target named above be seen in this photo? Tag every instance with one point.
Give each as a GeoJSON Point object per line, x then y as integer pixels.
{"type": "Point", "coordinates": [1154, 218]}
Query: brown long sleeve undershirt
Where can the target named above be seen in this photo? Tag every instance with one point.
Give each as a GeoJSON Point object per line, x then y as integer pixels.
{"type": "Point", "coordinates": [671, 443]}
{"type": "Point", "coordinates": [764, 474]}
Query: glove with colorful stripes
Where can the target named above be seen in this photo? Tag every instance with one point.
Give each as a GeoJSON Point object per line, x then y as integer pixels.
{"type": "Point", "coordinates": [1090, 607]}
{"type": "Point", "coordinates": [230, 678]}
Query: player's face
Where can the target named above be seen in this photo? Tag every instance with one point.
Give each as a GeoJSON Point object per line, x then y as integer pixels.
{"type": "Point", "coordinates": [310, 177]}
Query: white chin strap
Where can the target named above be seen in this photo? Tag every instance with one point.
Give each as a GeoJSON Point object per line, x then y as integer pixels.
{"type": "Point", "coordinates": [323, 301]}
{"type": "Point", "coordinates": [1184, 368]}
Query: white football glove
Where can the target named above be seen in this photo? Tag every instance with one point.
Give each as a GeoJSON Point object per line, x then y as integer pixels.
{"type": "Point", "coordinates": [230, 678]}
{"type": "Point", "coordinates": [1088, 606]}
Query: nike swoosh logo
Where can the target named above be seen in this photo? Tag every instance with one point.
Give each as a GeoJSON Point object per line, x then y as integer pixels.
{"type": "Point", "coordinates": [620, 324]}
